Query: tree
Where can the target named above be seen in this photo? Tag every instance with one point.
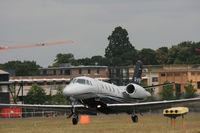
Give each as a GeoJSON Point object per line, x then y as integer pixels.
{"type": "Point", "coordinates": [99, 60]}
{"type": "Point", "coordinates": [162, 55]}
{"type": "Point", "coordinates": [63, 58]}
{"type": "Point", "coordinates": [36, 95]}
{"type": "Point", "coordinates": [190, 92]}
{"type": "Point", "coordinates": [18, 68]}
{"type": "Point", "coordinates": [147, 56]}
{"type": "Point", "coordinates": [184, 53]}
{"type": "Point", "coordinates": [167, 92]}
{"type": "Point", "coordinates": [59, 98]}
{"type": "Point", "coordinates": [84, 61]}
{"type": "Point", "coordinates": [119, 50]}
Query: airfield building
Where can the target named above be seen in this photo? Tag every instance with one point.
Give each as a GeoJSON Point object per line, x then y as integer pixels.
{"type": "Point", "coordinates": [159, 74]}
{"type": "Point", "coordinates": [69, 71]}
{"type": "Point", "coordinates": [52, 77]}
{"type": "Point", "coordinates": [4, 83]}
{"type": "Point", "coordinates": [181, 75]}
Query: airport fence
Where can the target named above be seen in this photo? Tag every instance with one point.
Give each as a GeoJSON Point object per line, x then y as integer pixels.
{"type": "Point", "coordinates": [32, 114]}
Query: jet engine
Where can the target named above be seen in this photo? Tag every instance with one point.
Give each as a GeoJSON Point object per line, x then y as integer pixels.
{"type": "Point", "coordinates": [136, 91]}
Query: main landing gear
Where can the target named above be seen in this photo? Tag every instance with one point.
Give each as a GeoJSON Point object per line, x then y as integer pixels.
{"type": "Point", "coordinates": [74, 114]}
{"type": "Point", "coordinates": [134, 117]}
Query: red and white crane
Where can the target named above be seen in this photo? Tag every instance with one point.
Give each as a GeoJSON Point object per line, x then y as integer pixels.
{"type": "Point", "coordinates": [43, 44]}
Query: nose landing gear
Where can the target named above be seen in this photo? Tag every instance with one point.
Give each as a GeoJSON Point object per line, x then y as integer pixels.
{"type": "Point", "coordinates": [75, 119]}
{"type": "Point", "coordinates": [134, 118]}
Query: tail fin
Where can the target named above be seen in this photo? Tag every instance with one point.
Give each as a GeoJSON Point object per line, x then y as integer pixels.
{"type": "Point", "coordinates": [137, 76]}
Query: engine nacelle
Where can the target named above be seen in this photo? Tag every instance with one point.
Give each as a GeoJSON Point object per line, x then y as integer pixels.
{"type": "Point", "coordinates": [136, 91]}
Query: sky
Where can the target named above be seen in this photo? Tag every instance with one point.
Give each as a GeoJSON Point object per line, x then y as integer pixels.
{"type": "Point", "coordinates": [150, 24]}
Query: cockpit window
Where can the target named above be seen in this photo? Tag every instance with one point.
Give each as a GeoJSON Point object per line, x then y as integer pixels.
{"type": "Point", "coordinates": [81, 81]}
{"type": "Point", "coordinates": [73, 81]}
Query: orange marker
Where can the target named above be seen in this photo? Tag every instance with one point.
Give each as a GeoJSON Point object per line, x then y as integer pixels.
{"type": "Point", "coordinates": [85, 119]}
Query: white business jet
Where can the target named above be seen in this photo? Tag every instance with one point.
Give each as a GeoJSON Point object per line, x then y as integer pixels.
{"type": "Point", "coordinates": [90, 95]}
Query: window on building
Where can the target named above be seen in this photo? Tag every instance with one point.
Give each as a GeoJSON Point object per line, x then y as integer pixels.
{"type": "Point", "coordinates": [154, 79]}
{"type": "Point", "coordinates": [54, 72]}
{"type": "Point", "coordinates": [178, 90]}
{"type": "Point", "coordinates": [193, 73]}
{"type": "Point", "coordinates": [184, 74]}
{"type": "Point", "coordinates": [124, 73]}
{"type": "Point", "coordinates": [177, 74]}
{"type": "Point", "coordinates": [67, 72]}
{"type": "Point", "coordinates": [44, 72]}
{"type": "Point", "coordinates": [89, 71]}
{"type": "Point", "coordinates": [97, 71]}
{"type": "Point", "coordinates": [80, 71]}
{"type": "Point", "coordinates": [169, 74]}
{"type": "Point", "coordinates": [60, 72]}
{"type": "Point", "coordinates": [162, 74]}
{"type": "Point", "coordinates": [198, 84]}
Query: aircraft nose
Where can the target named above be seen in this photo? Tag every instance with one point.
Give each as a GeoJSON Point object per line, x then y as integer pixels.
{"type": "Point", "coordinates": [68, 91]}
{"type": "Point", "coordinates": [74, 89]}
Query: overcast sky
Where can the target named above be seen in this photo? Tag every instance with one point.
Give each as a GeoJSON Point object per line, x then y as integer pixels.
{"type": "Point", "coordinates": [150, 24]}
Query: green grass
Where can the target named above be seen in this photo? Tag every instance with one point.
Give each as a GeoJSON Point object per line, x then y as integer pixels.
{"type": "Point", "coordinates": [149, 123]}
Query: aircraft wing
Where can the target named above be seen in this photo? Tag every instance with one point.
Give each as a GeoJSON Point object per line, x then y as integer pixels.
{"type": "Point", "coordinates": [116, 108]}
{"type": "Point", "coordinates": [151, 86]}
{"type": "Point", "coordinates": [41, 106]}
{"type": "Point", "coordinates": [66, 108]}
{"type": "Point", "coordinates": [144, 106]}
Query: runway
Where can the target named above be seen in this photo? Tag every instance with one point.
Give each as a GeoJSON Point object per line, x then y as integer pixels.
{"type": "Point", "coordinates": [149, 123]}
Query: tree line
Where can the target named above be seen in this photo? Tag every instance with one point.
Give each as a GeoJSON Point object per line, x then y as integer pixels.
{"type": "Point", "coordinates": [119, 52]}
{"type": "Point", "coordinates": [37, 95]}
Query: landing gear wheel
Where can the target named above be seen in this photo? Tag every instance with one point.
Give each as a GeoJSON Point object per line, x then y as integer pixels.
{"type": "Point", "coordinates": [134, 118]}
{"type": "Point", "coordinates": [75, 119]}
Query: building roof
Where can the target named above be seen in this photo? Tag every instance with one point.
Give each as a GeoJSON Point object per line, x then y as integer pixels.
{"type": "Point", "coordinates": [181, 70]}
{"type": "Point", "coordinates": [3, 72]}
{"type": "Point", "coordinates": [73, 67]}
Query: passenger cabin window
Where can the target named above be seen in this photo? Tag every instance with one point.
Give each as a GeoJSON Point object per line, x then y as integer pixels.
{"type": "Point", "coordinates": [90, 82]}
{"type": "Point", "coordinates": [118, 91]}
{"type": "Point", "coordinates": [87, 82]}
